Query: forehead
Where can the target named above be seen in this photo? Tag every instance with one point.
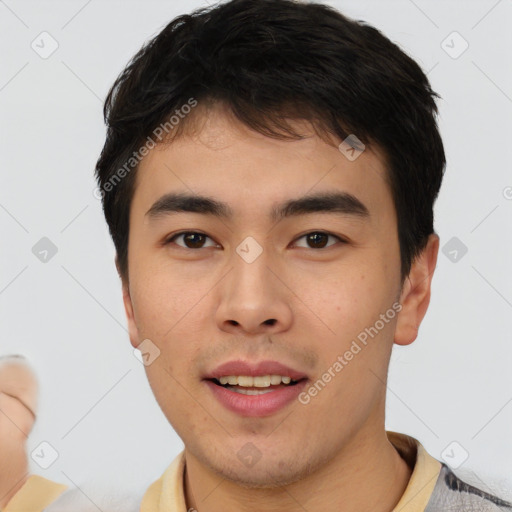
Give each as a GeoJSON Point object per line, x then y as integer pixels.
{"type": "Point", "coordinates": [222, 158]}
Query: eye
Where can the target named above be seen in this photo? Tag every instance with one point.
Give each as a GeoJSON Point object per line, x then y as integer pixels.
{"type": "Point", "coordinates": [192, 239]}
{"type": "Point", "coordinates": [319, 239]}
{"type": "Point", "coordinates": [195, 239]}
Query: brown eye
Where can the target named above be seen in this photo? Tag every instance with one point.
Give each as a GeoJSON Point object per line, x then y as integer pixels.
{"type": "Point", "coordinates": [191, 239]}
{"type": "Point", "coordinates": [318, 239]}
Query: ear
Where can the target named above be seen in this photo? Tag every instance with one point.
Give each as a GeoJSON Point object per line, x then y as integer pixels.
{"type": "Point", "coordinates": [415, 294]}
{"type": "Point", "coordinates": [133, 331]}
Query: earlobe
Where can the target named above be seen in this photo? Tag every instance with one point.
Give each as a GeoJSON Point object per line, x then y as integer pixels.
{"type": "Point", "coordinates": [415, 296]}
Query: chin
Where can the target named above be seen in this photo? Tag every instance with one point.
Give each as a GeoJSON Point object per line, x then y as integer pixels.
{"type": "Point", "coordinates": [249, 479]}
{"type": "Point", "coordinates": [270, 474]}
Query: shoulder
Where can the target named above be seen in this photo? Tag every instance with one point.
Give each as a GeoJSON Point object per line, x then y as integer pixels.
{"type": "Point", "coordinates": [453, 494]}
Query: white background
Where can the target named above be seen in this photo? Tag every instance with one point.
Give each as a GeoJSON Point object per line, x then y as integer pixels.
{"type": "Point", "coordinates": [453, 384]}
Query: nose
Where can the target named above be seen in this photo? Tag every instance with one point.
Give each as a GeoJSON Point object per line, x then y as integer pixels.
{"type": "Point", "coordinates": [253, 298]}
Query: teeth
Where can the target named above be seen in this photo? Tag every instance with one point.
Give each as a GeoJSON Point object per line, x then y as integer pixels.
{"type": "Point", "coordinates": [263, 381]}
{"type": "Point", "coordinates": [275, 379]}
{"type": "Point", "coordinates": [246, 382]}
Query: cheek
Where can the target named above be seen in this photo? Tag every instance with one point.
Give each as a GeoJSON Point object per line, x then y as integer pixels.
{"type": "Point", "coordinates": [348, 310]}
{"type": "Point", "coordinates": [168, 312]}
{"type": "Point", "coordinates": [159, 301]}
{"type": "Point", "coordinates": [345, 302]}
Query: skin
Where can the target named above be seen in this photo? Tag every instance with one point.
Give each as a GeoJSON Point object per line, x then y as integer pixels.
{"type": "Point", "coordinates": [204, 306]}
{"type": "Point", "coordinates": [18, 401]}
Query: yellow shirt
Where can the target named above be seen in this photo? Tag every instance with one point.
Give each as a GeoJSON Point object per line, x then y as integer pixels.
{"type": "Point", "coordinates": [167, 493]}
{"type": "Point", "coordinates": [35, 494]}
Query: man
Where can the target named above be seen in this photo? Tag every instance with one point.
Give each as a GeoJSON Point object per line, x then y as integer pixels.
{"type": "Point", "coordinates": [268, 179]}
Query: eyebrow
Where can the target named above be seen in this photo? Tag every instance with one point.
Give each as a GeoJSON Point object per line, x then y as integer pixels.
{"type": "Point", "coordinates": [328, 202]}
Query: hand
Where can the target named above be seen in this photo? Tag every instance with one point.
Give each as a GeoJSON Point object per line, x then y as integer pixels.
{"type": "Point", "coordinates": [18, 405]}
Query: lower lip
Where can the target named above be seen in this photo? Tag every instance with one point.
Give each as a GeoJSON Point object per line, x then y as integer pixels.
{"type": "Point", "coordinates": [256, 405]}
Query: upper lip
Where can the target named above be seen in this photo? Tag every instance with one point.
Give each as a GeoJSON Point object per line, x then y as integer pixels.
{"type": "Point", "coordinates": [252, 369]}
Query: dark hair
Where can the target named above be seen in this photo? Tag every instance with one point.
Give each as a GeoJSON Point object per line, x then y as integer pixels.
{"type": "Point", "coordinates": [271, 61]}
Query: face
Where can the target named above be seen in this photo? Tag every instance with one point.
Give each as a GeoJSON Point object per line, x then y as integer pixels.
{"type": "Point", "coordinates": [300, 289]}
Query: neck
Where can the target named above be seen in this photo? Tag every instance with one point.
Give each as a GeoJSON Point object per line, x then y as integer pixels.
{"type": "Point", "coordinates": [368, 473]}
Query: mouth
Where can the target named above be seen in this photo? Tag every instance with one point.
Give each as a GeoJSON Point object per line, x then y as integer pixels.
{"type": "Point", "coordinates": [255, 388]}
{"type": "Point", "coordinates": [261, 400]}
{"type": "Point", "coordinates": [247, 385]}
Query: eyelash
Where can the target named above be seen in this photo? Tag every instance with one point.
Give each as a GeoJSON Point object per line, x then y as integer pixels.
{"type": "Point", "coordinates": [170, 240]}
